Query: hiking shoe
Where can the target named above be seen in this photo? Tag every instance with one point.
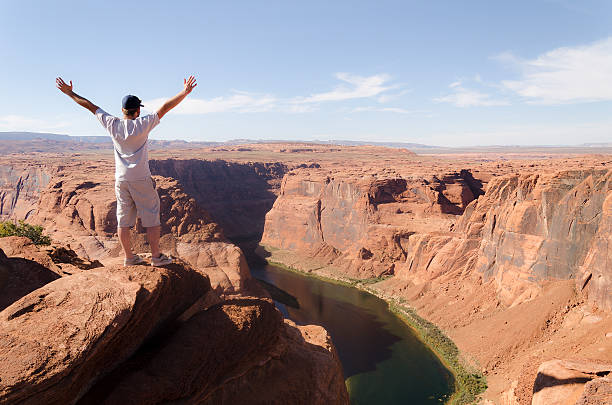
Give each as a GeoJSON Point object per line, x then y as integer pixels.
{"type": "Point", "coordinates": [133, 261]}
{"type": "Point", "coordinates": [162, 260]}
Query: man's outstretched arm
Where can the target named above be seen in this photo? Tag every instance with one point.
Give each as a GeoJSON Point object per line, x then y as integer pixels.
{"type": "Point", "coordinates": [82, 101]}
{"type": "Point", "coordinates": [174, 101]}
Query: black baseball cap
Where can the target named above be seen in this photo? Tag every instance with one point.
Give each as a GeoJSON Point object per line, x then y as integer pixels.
{"type": "Point", "coordinates": [131, 102]}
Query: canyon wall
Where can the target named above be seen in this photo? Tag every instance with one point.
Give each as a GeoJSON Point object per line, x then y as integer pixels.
{"type": "Point", "coordinates": [516, 277]}
{"type": "Point", "coordinates": [237, 195]}
{"type": "Point", "coordinates": [20, 187]}
{"type": "Point", "coordinates": [364, 223]}
{"type": "Point", "coordinates": [524, 230]}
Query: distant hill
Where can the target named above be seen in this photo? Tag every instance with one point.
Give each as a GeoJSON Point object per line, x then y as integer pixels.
{"type": "Point", "coordinates": [26, 142]}
{"type": "Point", "coordinates": [405, 145]}
{"type": "Point", "coordinates": [27, 136]}
{"type": "Point", "coordinates": [16, 142]}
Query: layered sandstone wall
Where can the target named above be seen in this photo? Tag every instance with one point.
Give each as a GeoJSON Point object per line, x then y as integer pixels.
{"type": "Point", "coordinates": [524, 230]}
{"type": "Point", "coordinates": [236, 195]}
{"type": "Point", "coordinates": [543, 227]}
{"type": "Point", "coordinates": [20, 187]}
{"type": "Point", "coordinates": [363, 223]}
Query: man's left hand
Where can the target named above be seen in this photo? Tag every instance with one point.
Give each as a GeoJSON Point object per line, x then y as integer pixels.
{"type": "Point", "coordinates": [64, 88]}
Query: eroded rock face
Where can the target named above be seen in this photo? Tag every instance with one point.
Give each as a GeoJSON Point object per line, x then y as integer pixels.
{"type": "Point", "coordinates": [237, 195]}
{"type": "Point", "coordinates": [19, 277]}
{"type": "Point", "coordinates": [20, 186]}
{"type": "Point", "coordinates": [524, 230]}
{"type": "Point", "coordinates": [238, 351]}
{"type": "Point", "coordinates": [56, 341]}
{"type": "Point", "coordinates": [564, 382]}
{"type": "Point", "coordinates": [79, 208]}
{"type": "Point", "coordinates": [362, 223]}
{"type": "Point", "coordinates": [541, 227]}
{"type": "Point", "coordinates": [317, 379]}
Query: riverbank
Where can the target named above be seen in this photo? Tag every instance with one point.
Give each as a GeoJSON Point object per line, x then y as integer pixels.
{"type": "Point", "coordinates": [468, 380]}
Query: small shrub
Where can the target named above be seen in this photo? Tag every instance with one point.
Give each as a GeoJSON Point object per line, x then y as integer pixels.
{"type": "Point", "coordinates": [33, 232]}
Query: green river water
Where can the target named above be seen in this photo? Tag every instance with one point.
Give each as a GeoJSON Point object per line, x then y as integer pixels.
{"type": "Point", "coordinates": [383, 360]}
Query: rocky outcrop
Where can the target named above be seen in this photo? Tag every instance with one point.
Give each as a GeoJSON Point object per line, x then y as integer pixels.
{"type": "Point", "coordinates": [24, 267]}
{"type": "Point", "coordinates": [19, 277]}
{"type": "Point", "coordinates": [254, 354]}
{"type": "Point", "coordinates": [145, 336]}
{"type": "Point", "coordinates": [564, 382]}
{"type": "Point", "coordinates": [78, 207]}
{"type": "Point", "coordinates": [54, 342]}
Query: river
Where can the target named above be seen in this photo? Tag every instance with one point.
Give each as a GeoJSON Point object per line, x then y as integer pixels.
{"type": "Point", "coordinates": [383, 360]}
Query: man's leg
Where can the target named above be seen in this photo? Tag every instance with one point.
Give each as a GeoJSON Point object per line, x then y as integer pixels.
{"type": "Point", "coordinates": [125, 239]}
{"type": "Point", "coordinates": [153, 233]}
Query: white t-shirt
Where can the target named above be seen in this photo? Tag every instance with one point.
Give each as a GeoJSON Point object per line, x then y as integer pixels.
{"type": "Point", "coordinates": [130, 141]}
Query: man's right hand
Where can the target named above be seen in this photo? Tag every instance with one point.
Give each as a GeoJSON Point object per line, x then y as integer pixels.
{"type": "Point", "coordinates": [189, 84]}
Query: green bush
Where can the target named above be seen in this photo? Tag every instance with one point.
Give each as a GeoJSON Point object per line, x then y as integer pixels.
{"type": "Point", "coordinates": [33, 232]}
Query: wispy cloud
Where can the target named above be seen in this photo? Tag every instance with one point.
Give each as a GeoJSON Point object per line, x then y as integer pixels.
{"type": "Point", "coordinates": [385, 98]}
{"type": "Point", "coordinates": [354, 87]}
{"type": "Point", "coordinates": [239, 101]}
{"type": "Point", "coordinates": [21, 123]}
{"type": "Point", "coordinates": [564, 75]}
{"type": "Point", "coordinates": [463, 97]}
{"type": "Point", "coordinates": [351, 87]}
{"type": "Point", "coordinates": [398, 110]}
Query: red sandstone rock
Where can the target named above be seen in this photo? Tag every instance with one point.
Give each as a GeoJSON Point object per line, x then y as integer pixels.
{"type": "Point", "coordinates": [56, 341]}
{"type": "Point", "coordinates": [19, 277]}
{"type": "Point", "coordinates": [597, 392]}
{"type": "Point", "coordinates": [350, 214]}
{"type": "Point", "coordinates": [537, 222]}
{"type": "Point", "coordinates": [525, 229]}
{"type": "Point", "coordinates": [82, 213]}
{"type": "Point", "coordinates": [239, 351]}
{"type": "Point", "coordinates": [20, 187]}
{"type": "Point", "coordinates": [562, 382]}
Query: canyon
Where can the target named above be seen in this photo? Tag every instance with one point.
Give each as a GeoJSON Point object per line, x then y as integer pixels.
{"type": "Point", "coordinates": [506, 252]}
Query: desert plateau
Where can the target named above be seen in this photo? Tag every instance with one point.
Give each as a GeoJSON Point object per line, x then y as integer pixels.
{"type": "Point", "coordinates": [506, 253]}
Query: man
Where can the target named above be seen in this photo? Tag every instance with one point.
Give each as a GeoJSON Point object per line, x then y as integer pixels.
{"type": "Point", "coordinates": [134, 188]}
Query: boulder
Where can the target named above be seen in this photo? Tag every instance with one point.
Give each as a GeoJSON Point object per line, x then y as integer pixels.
{"type": "Point", "coordinates": [19, 277]}
{"type": "Point", "coordinates": [239, 351]}
{"type": "Point", "coordinates": [565, 382]}
{"type": "Point", "coordinates": [58, 340]}
{"type": "Point", "coordinates": [597, 392]}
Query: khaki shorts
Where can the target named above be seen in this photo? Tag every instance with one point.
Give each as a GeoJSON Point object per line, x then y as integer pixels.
{"type": "Point", "coordinates": [137, 198]}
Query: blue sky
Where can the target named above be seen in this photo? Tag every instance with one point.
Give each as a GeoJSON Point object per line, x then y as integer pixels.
{"type": "Point", "coordinates": [435, 72]}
